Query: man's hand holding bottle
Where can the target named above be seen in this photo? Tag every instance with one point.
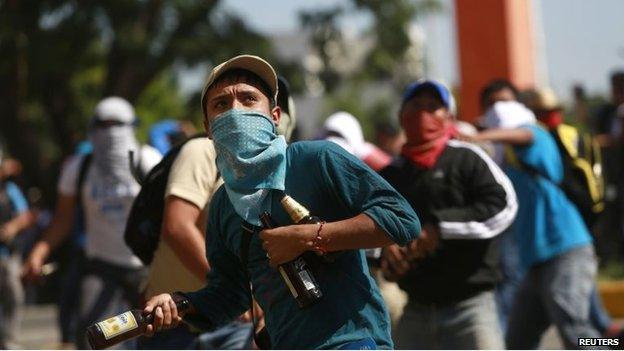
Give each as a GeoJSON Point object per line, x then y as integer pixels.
{"type": "Point", "coordinates": [166, 314]}
{"type": "Point", "coordinates": [284, 244]}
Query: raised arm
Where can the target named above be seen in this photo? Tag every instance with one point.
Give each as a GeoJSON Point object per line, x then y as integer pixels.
{"type": "Point", "coordinates": [493, 206]}
{"type": "Point", "coordinates": [517, 136]}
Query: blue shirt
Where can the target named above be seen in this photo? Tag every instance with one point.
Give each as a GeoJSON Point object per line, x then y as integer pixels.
{"type": "Point", "coordinates": [159, 135]}
{"type": "Point", "coordinates": [333, 185]}
{"type": "Point", "coordinates": [18, 205]}
{"type": "Point", "coordinates": [548, 223]}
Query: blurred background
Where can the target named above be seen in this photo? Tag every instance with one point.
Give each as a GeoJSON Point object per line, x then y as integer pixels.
{"type": "Point", "coordinates": [59, 57]}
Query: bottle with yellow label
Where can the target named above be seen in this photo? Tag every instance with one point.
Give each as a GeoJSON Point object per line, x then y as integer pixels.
{"type": "Point", "coordinates": [125, 326]}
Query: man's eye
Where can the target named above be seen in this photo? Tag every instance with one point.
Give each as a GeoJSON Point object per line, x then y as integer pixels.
{"type": "Point", "coordinates": [251, 98]}
{"type": "Point", "coordinates": [433, 108]}
{"type": "Point", "coordinates": [219, 104]}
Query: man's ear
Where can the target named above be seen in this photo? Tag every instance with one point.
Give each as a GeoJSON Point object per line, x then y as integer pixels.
{"type": "Point", "coordinates": [449, 114]}
{"type": "Point", "coordinates": [401, 117]}
{"type": "Point", "coordinates": [276, 115]}
{"type": "Point", "coordinates": [207, 128]}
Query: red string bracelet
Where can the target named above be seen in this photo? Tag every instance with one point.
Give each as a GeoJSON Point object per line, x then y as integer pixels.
{"type": "Point", "coordinates": [318, 243]}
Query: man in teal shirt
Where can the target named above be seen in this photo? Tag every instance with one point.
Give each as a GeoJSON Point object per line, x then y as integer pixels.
{"type": "Point", "coordinates": [361, 209]}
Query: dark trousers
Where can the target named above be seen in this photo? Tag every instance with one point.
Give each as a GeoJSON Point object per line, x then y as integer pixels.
{"type": "Point", "coordinates": [69, 295]}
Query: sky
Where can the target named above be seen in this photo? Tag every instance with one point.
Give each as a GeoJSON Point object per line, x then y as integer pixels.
{"type": "Point", "coordinates": [581, 41]}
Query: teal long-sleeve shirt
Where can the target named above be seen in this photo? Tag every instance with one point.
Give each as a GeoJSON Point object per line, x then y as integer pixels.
{"type": "Point", "coordinates": [333, 185]}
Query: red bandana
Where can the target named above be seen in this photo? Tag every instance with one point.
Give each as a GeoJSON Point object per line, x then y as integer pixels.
{"type": "Point", "coordinates": [552, 119]}
{"type": "Point", "coordinates": [425, 154]}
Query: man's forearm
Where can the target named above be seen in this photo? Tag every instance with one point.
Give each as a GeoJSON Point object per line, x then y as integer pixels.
{"type": "Point", "coordinates": [54, 236]}
{"type": "Point", "coordinates": [518, 136]}
{"type": "Point", "coordinates": [359, 232]}
{"type": "Point", "coordinates": [189, 245]}
{"type": "Point", "coordinates": [181, 233]}
{"type": "Point", "coordinates": [283, 244]}
{"type": "Point", "coordinates": [61, 224]}
{"type": "Point", "coordinates": [17, 224]}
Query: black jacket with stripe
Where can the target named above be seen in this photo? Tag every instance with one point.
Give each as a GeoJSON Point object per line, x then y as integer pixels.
{"type": "Point", "coordinates": [472, 201]}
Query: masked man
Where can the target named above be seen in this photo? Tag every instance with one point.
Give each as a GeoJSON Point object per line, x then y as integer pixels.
{"type": "Point", "coordinates": [361, 210]}
{"type": "Point", "coordinates": [113, 274]}
{"type": "Point", "coordinates": [465, 201]}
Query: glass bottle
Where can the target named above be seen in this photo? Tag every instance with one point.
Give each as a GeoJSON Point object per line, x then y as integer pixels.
{"type": "Point", "coordinates": [125, 326]}
{"type": "Point", "coordinates": [297, 212]}
{"type": "Point", "coordinates": [301, 215]}
{"type": "Point", "coordinates": [296, 274]}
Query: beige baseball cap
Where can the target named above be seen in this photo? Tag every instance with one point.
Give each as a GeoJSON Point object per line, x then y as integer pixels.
{"type": "Point", "coordinates": [251, 63]}
{"type": "Point", "coordinates": [543, 99]}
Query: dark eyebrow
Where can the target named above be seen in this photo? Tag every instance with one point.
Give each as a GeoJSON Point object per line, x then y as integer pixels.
{"type": "Point", "coordinates": [218, 97]}
{"type": "Point", "coordinates": [249, 91]}
{"type": "Point", "coordinates": [245, 91]}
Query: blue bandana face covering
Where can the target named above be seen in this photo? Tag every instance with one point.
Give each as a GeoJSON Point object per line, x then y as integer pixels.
{"type": "Point", "coordinates": [251, 159]}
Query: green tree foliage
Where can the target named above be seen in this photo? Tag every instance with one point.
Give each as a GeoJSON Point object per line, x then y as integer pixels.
{"type": "Point", "coordinates": [59, 57]}
{"type": "Point", "coordinates": [384, 62]}
{"type": "Point", "coordinates": [326, 37]}
{"type": "Point", "coordinates": [390, 27]}
{"type": "Point", "coordinates": [159, 100]}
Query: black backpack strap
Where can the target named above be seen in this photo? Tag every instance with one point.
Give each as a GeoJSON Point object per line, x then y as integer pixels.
{"type": "Point", "coordinates": [82, 175]}
{"type": "Point", "coordinates": [262, 337]}
{"type": "Point", "coordinates": [247, 232]}
{"type": "Point", "coordinates": [136, 169]}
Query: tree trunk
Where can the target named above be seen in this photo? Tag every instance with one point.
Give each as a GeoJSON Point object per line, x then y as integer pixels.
{"type": "Point", "coordinates": [17, 131]}
{"type": "Point", "coordinates": [59, 104]}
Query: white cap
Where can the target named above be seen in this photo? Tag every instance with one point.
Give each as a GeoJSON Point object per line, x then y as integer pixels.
{"type": "Point", "coordinates": [114, 109]}
{"type": "Point", "coordinates": [508, 115]}
{"type": "Point", "coordinates": [347, 126]}
{"type": "Point", "coordinates": [351, 135]}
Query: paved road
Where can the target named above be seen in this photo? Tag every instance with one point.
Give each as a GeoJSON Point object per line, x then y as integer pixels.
{"type": "Point", "coordinates": [39, 330]}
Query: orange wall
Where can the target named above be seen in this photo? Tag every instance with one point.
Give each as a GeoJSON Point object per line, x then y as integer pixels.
{"type": "Point", "coordinates": [495, 39]}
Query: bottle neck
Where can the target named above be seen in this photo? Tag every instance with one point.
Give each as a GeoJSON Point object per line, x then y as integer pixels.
{"type": "Point", "coordinates": [295, 210]}
{"type": "Point", "coordinates": [267, 220]}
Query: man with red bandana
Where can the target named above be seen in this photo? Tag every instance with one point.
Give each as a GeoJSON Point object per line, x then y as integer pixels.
{"type": "Point", "coordinates": [573, 146]}
{"type": "Point", "coordinates": [465, 201]}
{"type": "Point", "coordinates": [544, 104]}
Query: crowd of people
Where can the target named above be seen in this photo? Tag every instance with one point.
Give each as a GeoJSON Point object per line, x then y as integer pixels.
{"type": "Point", "coordinates": [439, 235]}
